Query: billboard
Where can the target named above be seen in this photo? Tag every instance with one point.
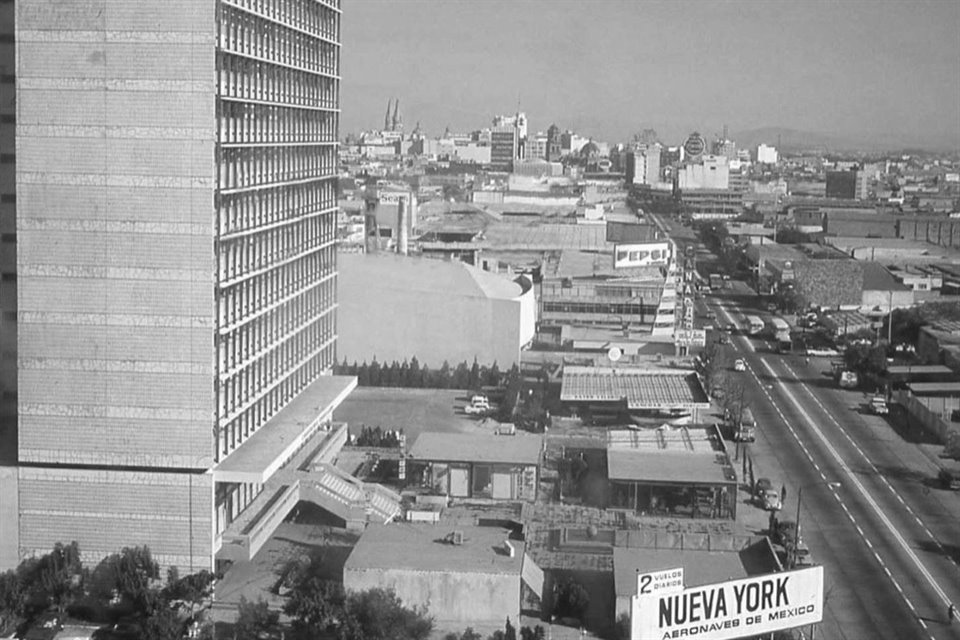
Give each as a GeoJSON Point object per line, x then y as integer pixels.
{"type": "Point", "coordinates": [735, 609]}
{"type": "Point", "coordinates": [641, 255]}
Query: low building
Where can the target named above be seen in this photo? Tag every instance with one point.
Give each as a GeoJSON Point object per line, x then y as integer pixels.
{"type": "Point", "coordinates": [939, 342]}
{"type": "Point", "coordinates": [461, 465]}
{"type": "Point", "coordinates": [672, 472]}
{"type": "Point", "coordinates": [626, 391]}
{"type": "Point", "coordinates": [711, 204]}
{"type": "Point", "coordinates": [395, 307]}
{"type": "Point", "coordinates": [463, 576]}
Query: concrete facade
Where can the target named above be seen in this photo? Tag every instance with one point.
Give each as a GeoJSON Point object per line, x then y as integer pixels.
{"type": "Point", "coordinates": [474, 583]}
{"type": "Point", "coordinates": [175, 261]}
{"type": "Point", "coordinates": [396, 307]}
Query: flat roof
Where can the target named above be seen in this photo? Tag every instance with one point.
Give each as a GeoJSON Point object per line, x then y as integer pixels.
{"type": "Point", "coordinates": [673, 467]}
{"type": "Point", "coordinates": [641, 388]}
{"type": "Point", "coordinates": [699, 567]}
{"type": "Point", "coordinates": [522, 448]}
{"type": "Point", "coordinates": [421, 547]}
{"type": "Point", "coordinates": [932, 388]}
{"type": "Point", "coordinates": [907, 369]}
{"type": "Point", "coordinates": [266, 450]}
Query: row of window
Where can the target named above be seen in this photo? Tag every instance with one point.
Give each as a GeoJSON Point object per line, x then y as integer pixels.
{"type": "Point", "coordinates": [313, 17]}
{"type": "Point", "coordinates": [238, 303]}
{"type": "Point", "coordinates": [247, 254]}
{"type": "Point", "coordinates": [246, 34]}
{"type": "Point", "coordinates": [231, 499]}
{"type": "Point", "coordinates": [245, 167]}
{"type": "Point", "coordinates": [268, 124]}
{"type": "Point", "coordinates": [253, 209]}
{"type": "Point", "coordinates": [241, 417]}
{"type": "Point", "coordinates": [588, 307]}
{"type": "Point", "coordinates": [248, 79]}
{"type": "Point", "coordinates": [249, 341]}
{"type": "Point", "coordinates": [249, 381]}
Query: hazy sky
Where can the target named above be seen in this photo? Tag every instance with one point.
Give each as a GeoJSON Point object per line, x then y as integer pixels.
{"type": "Point", "coordinates": [609, 68]}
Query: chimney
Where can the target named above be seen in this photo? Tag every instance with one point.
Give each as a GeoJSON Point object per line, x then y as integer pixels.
{"type": "Point", "coordinates": [402, 228]}
{"type": "Point", "coordinates": [509, 548]}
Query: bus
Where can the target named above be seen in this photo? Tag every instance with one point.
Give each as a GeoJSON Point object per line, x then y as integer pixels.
{"type": "Point", "coordinates": [754, 325]}
{"type": "Point", "coordinates": [780, 333]}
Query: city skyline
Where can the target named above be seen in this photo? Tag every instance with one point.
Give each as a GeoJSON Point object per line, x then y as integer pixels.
{"type": "Point", "coordinates": [840, 69]}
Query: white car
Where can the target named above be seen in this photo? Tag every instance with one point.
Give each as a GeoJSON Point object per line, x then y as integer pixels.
{"type": "Point", "coordinates": [739, 365]}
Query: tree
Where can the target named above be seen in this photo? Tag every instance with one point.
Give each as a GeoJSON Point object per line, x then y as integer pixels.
{"type": "Point", "coordinates": [11, 600]}
{"type": "Point", "coordinates": [130, 574]}
{"type": "Point", "coordinates": [253, 619]}
{"type": "Point", "coordinates": [509, 631]}
{"type": "Point", "coordinates": [572, 600]}
{"type": "Point", "coordinates": [53, 579]}
{"type": "Point", "coordinates": [414, 375]}
{"type": "Point", "coordinates": [378, 614]}
{"type": "Point", "coordinates": [316, 605]}
{"type": "Point", "coordinates": [162, 623]}
{"type": "Point", "coordinates": [473, 379]}
{"type": "Point", "coordinates": [363, 375]}
{"type": "Point", "coordinates": [192, 589]}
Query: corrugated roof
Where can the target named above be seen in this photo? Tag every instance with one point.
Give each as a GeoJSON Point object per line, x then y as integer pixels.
{"type": "Point", "coordinates": [641, 388]}
{"type": "Point", "coordinates": [522, 448]}
{"type": "Point", "coordinates": [420, 547]}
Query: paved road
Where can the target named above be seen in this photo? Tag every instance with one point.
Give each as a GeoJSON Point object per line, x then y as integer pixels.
{"type": "Point", "coordinates": [883, 535]}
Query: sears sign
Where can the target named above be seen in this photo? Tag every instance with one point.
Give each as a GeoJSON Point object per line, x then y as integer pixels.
{"type": "Point", "coordinates": [736, 609]}
{"type": "Point", "coordinates": [641, 255]}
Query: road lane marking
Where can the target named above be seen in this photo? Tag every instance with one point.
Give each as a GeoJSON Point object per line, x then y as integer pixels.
{"type": "Point", "coordinates": [873, 467]}
{"type": "Point", "coordinates": [851, 475]}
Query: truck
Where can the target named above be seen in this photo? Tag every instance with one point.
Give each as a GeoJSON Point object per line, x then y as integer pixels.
{"type": "Point", "coordinates": [779, 331]}
{"type": "Point", "coordinates": [746, 428]}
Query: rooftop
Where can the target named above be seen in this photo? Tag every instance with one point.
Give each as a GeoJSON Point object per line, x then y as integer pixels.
{"type": "Point", "coordinates": [269, 447]}
{"type": "Point", "coordinates": [521, 448]}
{"type": "Point", "coordinates": [699, 567]}
{"type": "Point", "coordinates": [640, 388]}
{"type": "Point", "coordinates": [421, 547]}
{"type": "Point", "coordinates": [670, 455]}
{"type": "Point", "coordinates": [918, 369]}
{"type": "Point", "coordinates": [935, 388]}
{"type": "Point", "coordinates": [413, 274]}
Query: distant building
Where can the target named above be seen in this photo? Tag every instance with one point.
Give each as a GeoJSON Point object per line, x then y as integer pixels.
{"type": "Point", "coordinates": [706, 204]}
{"type": "Point", "coordinates": [849, 185]}
{"type": "Point", "coordinates": [711, 172]}
{"type": "Point", "coordinates": [767, 155]}
{"type": "Point", "coordinates": [554, 150]}
{"type": "Point", "coordinates": [537, 147]}
{"type": "Point", "coordinates": [394, 307]}
{"type": "Point", "coordinates": [503, 144]}
{"type": "Point", "coordinates": [643, 167]}
{"type": "Point", "coordinates": [725, 148]}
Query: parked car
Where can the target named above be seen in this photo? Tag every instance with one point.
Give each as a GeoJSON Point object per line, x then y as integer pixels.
{"type": "Point", "coordinates": [878, 405]}
{"type": "Point", "coordinates": [739, 365]}
{"type": "Point", "coordinates": [949, 478]}
{"type": "Point", "coordinates": [732, 328]}
{"type": "Point", "coordinates": [723, 339]}
{"type": "Point", "coordinates": [770, 500]}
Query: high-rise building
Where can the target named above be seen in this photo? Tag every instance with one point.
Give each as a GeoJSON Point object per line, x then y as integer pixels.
{"type": "Point", "coordinates": [503, 144]}
{"type": "Point", "coordinates": [849, 185]}
{"type": "Point", "coordinates": [767, 155]}
{"type": "Point", "coordinates": [174, 265]}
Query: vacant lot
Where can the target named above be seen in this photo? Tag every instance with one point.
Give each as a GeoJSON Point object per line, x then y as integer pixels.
{"type": "Point", "coordinates": [413, 410]}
